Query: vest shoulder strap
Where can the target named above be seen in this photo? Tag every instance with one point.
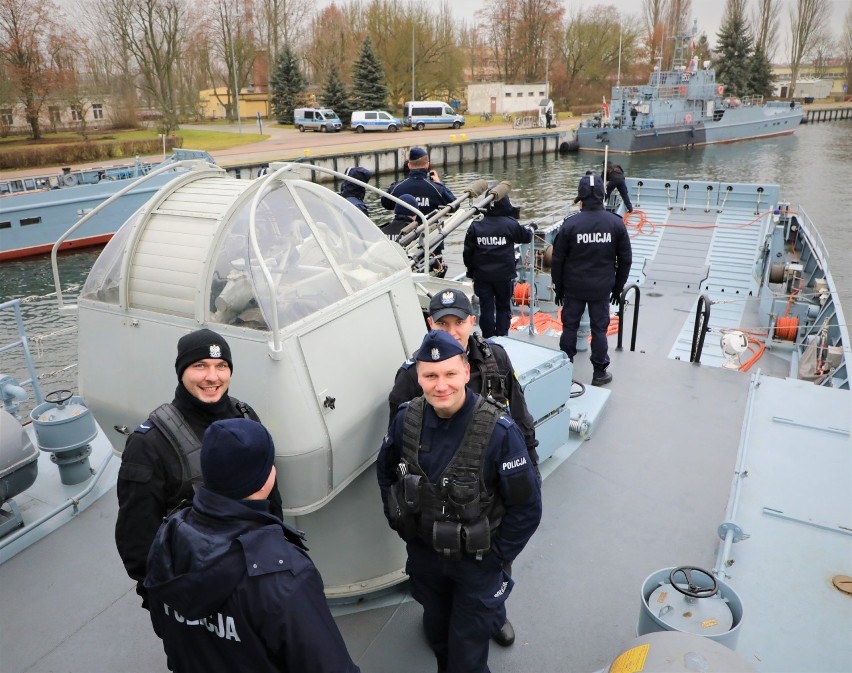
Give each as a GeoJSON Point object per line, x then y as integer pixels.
{"type": "Point", "coordinates": [411, 428]}
{"type": "Point", "coordinates": [187, 446]}
{"type": "Point", "coordinates": [476, 438]}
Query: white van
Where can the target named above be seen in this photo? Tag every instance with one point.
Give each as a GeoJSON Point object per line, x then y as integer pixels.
{"type": "Point", "coordinates": [317, 119]}
{"type": "Point", "coordinates": [374, 120]}
{"type": "Point", "coordinates": [423, 114]}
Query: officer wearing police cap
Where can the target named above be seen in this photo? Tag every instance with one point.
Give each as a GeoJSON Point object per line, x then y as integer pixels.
{"type": "Point", "coordinates": [458, 486]}
{"type": "Point", "coordinates": [591, 262]}
{"type": "Point", "coordinates": [426, 187]}
{"type": "Point", "coordinates": [160, 462]}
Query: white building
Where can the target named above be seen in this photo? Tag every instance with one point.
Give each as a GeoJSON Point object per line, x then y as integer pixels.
{"type": "Point", "coordinates": [807, 87]}
{"type": "Point", "coordinates": [497, 98]}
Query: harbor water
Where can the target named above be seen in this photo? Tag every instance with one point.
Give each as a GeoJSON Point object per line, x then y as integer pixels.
{"type": "Point", "coordinates": [813, 167]}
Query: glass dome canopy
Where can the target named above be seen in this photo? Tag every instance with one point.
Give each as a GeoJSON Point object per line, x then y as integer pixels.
{"type": "Point", "coordinates": [318, 249]}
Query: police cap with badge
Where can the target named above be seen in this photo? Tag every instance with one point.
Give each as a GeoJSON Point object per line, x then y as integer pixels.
{"type": "Point", "coordinates": [438, 346]}
{"type": "Point", "coordinates": [450, 302]}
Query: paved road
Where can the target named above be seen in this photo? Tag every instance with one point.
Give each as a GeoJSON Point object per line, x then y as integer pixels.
{"type": "Point", "coordinates": [288, 143]}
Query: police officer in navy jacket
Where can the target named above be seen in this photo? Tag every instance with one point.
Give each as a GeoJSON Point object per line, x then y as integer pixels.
{"type": "Point", "coordinates": [591, 262]}
{"type": "Point", "coordinates": [425, 185]}
{"type": "Point", "coordinates": [615, 180]}
{"type": "Point", "coordinates": [489, 255]}
{"type": "Point", "coordinates": [231, 586]}
{"type": "Point", "coordinates": [458, 486]}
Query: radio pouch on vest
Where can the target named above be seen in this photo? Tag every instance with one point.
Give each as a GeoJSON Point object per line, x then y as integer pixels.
{"type": "Point", "coordinates": [446, 538]}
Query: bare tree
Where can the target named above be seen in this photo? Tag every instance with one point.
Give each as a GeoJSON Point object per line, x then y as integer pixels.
{"type": "Point", "coordinates": [336, 41]}
{"type": "Point", "coordinates": [154, 32]}
{"type": "Point", "coordinates": [653, 15]}
{"type": "Point", "coordinates": [540, 20]}
{"type": "Point", "coordinates": [231, 50]}
{"type": "Point", "coordinates": [280, 22]}
{"type": "Point", "coordinates": [590, 52]}
{"type": "Point", "coordinates": [500, 19]}
{"type": "Point", "coordinates": [809, 24]}
{"type": "Point", "coordinates": [30, 40]}
{"type": "Point", "coordinates": [765, 26]}
{"type": "Point", "coordinates": [846, 47]}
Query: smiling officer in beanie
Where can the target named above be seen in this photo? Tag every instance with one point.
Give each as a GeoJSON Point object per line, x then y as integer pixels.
{"type": "Point", "coordinates": [160, 462]}
{"type": "Point", "coordinates": [591, 262]}
{"type": "Point", "coordinates": [457, 484]}
{"type": "Point", "coordinates": [231, 586]}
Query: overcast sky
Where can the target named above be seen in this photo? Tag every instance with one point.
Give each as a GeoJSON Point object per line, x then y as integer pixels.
{"type": "Point", "coordinates": [708, 12]}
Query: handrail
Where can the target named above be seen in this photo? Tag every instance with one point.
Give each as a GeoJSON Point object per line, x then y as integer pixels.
{"type": "Point", "coordinates": [622, 301]}
{"type": "Point", "coordinates": [121, 192]}
{"type": "Point", "coordinates": [702, 318]}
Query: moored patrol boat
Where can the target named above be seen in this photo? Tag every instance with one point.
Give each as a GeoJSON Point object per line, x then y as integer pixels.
{"type": "Point", "coordinates": [637, 478]}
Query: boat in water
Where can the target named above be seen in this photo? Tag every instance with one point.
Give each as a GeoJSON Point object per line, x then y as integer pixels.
{"type": "Point", "coordinates": [683, 107]}
{"type": "Point", "coordinates": [722, 443]}
{"type": "Point", "coordinates": [35, 211]}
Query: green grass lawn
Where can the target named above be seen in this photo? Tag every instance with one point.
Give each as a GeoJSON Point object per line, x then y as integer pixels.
{"type": "Point", "coordinates": [193, 140]}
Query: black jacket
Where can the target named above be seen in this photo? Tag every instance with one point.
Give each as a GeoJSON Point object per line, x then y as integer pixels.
{"type": "Point", "coordinates": [232, 589]}
{"type": "Point", "coordinates": [591, 254]}
{"type": "Point", "coordinates": [489, 247]}
{"type": "Point", "coordinates": [150, 481]}
{"type": "Point", "coordinates": [406, 387]}
{"type": "Point", "coordinates": [615, 180]}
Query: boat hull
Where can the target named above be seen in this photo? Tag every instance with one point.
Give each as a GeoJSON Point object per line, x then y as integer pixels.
{"type": "Point", "coordinates": [736, 124]}
{"type": "Point", "coordinates": [31, 222]}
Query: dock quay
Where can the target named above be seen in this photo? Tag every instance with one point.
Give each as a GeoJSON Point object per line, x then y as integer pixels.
{"type": "Point", "coordinates": [456, 150]}
{"type": "Point", "coordinates": [827, 114]}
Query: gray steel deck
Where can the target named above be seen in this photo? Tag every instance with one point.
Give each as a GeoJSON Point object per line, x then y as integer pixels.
{"type": "Point", "coordinates": [647, 492]}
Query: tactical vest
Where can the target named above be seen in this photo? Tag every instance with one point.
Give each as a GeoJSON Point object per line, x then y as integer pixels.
{"type": "Point", "coordinates": [168, 420]}
{"type": "Point", "coordinates": [458, 515]}
{"type": "Point", "coordinates": [493, 382]}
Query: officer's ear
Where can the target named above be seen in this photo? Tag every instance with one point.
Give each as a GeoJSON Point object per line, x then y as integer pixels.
{"type": "Point", "coordinates": [430, 323]}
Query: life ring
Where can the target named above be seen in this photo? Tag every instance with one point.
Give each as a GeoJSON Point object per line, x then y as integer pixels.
{"type": "Point", "coordinates": [687, 118]}
{"type": "Point", "coordinates": [720, 89]}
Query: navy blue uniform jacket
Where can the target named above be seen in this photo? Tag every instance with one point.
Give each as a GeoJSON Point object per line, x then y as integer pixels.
{"type": "Point", "coordinates": [406, 387]}
{"type": "Point", "coordinates": [508, 470]}
{"type": "Point", "coordinates": [430, 195]}
{"type": "Point", "coordinates": [591, 254]}
{"type": "Point", "coordinates": [489, 247]}
{"type": "Point", "coordinates": [231, 589]}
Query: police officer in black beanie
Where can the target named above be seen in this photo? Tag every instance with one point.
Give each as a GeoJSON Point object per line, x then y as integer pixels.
{"type": "Point", "coordinates": [215, 615]}
{"type": "Point", "coordinates": [161, 459]}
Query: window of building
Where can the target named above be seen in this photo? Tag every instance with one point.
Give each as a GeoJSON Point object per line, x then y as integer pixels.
{"type": "Point", "coordinates": [520, 94]}
{"type": "Point", "coordinates": [508, 94]}
{"type": "Point", "coordinates": [55, 114]}
{"type": "Point", "coordinates": [76, 114]}
{"type": "Point", "coordinates": [6, 115]}
{"type": "Point", "coordinates": [531, 94]}
{"type": "Point", "coordinates": [97, 111]}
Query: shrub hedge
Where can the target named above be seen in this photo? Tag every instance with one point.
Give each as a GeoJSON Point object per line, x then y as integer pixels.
{"type": "Point", "coordinates": [82, 152]}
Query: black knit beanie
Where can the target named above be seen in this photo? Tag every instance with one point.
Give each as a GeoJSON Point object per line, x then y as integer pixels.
{"type": "Point", "coordinates": [201, 345]}
{"type": "Point", "coordinates": [237, 455]}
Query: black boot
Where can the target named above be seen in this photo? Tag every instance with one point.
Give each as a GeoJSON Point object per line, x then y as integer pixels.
{"type": "Point", "coordinates": [506, 635]}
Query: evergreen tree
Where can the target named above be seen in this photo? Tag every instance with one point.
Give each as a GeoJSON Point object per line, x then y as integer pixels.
{"type": "Point", "coordinates": [369, 90]}
{"type": "Point", "coordinates": [287, 86]}
{"type": "Point", "coordinates": [734, 48]}
{"type": "Point", "coordinates": [760, 75]}
{"type": "Point", "coordinates": [334, 95]}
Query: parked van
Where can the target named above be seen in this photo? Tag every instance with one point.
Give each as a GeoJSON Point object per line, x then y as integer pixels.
{"type": "Point", "coordinates": [317, 119]}
{"type": "Point", "coordinates": [430, 114]}
{"type": "Point", "coordinates": [374, 120]}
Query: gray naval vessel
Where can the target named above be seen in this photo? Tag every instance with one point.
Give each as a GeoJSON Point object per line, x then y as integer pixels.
{"type": "Point", "coordinates": [683, 107]}
{"type": "Point", "coordinates": [697, 512]}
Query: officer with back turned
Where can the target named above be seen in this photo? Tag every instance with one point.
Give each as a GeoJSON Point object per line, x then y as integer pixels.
{"type": "Point", "coordinates": [591, 262]}
{"type": "Point", "coordinates": [457, 484]}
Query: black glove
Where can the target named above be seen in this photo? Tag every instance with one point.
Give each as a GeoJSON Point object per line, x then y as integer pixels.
{"type": "Point", "coordinates": [630, 210]}
{"type": "Point", "coordinates": [558, 299]}
{"type": "Point", "coordinates": [533, 226]}
{"type": "Point", "coordinates": [615, 296]}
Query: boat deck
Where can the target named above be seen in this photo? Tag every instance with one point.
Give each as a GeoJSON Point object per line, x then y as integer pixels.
{"type": "Point", "coordinates": [647, 491]}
